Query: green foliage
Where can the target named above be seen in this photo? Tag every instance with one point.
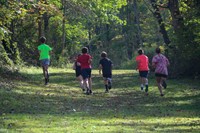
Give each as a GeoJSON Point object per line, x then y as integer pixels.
{"type": "Point", "coordinates": [4, 59]}
{"type": "Point", "coordinates": [186, 41]}
{"type": "Point", "coordinates": [108, 25]}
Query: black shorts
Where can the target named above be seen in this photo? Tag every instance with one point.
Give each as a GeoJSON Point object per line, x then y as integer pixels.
{"type": "Point", "coordinates": [86, 73]}
{"type": "Point", "coordinates": [160, 75]}
{"type": "Point", "coordinates": [78, 73]}
{"type": "Point", "coordinates": [105, 75]}
{"type": "Point", "coordinates": [143, 74]}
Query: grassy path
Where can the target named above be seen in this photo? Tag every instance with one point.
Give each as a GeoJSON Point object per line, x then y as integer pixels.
{"type": "Point", "coordinates": [27, 106]}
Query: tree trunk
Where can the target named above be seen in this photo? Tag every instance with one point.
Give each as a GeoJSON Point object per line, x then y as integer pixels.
{"type": "Point", "coordinates": [46, 24]}
{"type": "Point", "coordinates": [39, 23]}
{"type": "Point", "coordinates": [63, 26]}
{"type": "Point", "coordinates": [39, 27]}
{"type": "Point", "coordinates": [137, 23]}
{"type": "Point", "coordinates": [107, 32]}
{"type": "Point", "coordinates": [128, 34]}
{"type": "Point", "coordinates": [178, 25]}
{"type": "Point", "coordinates": [160, 22]}
{"type": "Point", "coordinates": [177, 19]}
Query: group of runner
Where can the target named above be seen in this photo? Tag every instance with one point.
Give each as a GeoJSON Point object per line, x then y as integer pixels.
{"type": "Point", "coordinates": [83, 69]}
{"type": "Point", "coordinates": [159, 63]}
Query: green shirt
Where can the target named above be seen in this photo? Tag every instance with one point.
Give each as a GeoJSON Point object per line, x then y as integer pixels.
{"type": "Point", "coordinates": [44, 51]}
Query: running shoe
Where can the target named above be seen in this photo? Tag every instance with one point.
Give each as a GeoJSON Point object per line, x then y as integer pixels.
{"type": "Point", "coordinates": [109, 84]}
{"type": "Point", "coordinates": [164, 84]}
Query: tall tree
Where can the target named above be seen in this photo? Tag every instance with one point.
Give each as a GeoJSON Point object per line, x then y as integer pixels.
{"type": "Point", "coordinates": [63, 25]}
{"type": "Point", "coordinates": [137, 23]}
{"type": "Point", "coordinates": [161, 23]}
{"type": "Point", "coordinates": [177, 19]}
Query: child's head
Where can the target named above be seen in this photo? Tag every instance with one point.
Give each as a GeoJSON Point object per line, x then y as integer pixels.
{"type": "Point", "coordinates": [78, 55]}
{"type": "Point", "coordinates": [140, 51]}
{"type": "Point", "coordinates": [84, 50]}
{"type": "Point", "coordinates": [42, 39]}
{"type": "Point", "coordinates": [158, 50]}
{"type": "Point", "coordinates": [103, 54]}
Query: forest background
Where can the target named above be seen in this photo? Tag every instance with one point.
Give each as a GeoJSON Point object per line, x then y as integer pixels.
{"type": "Point", "coordinates": [118, 27]}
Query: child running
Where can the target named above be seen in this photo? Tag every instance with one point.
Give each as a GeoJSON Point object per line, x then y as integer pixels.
{"type": "Point", "coordinates": [44, 50]}
{"type": "Point", "coordinates": [105, 65]}
{"type": "Point", "coordinates": [85, 61]}
{"type": "Point", "coordinates": [143, 67]}
{"type": "Point", "coordinates": [160, 63]}
{"type": "Point", "coordinates": [77, 69]}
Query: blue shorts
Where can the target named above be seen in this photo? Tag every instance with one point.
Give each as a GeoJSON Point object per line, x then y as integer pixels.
{"type": "Point", "coordinates": [143, 74]}
{"type": "Point", "coordinates": [86, 73]}
{"type": "Point", "coordinates": [45, 62]}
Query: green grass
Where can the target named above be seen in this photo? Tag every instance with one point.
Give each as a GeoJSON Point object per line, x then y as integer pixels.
{"type": "Point", "coordinates": [27, 106]}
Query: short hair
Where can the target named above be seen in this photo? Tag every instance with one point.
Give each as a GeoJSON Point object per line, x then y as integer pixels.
{"type": "Point", "coordinates": [42, 39]}
{"type": "Point", "coordinates": [103, 54]}
{"type": "Point", "coordinates": [140, 51]}
{"type": "Point", "coordinates": [84, 50]}
{"type": "Point", "coordinates": [158, 50]}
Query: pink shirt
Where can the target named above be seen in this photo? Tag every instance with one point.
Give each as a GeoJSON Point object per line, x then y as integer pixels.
{"type": "Point", "coordinates": [161, 63]}
{"type": "Point", "coordinates": [142, 62]}
{"type": "Point", "coordinates": [84, 61]}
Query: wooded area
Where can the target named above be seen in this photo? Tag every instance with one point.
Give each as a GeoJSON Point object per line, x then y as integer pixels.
{"type": "Point", "coordinates": [119, 27]}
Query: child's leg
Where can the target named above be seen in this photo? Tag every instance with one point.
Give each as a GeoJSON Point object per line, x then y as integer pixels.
{"type": "Point", "coordinates": [46, 74]}
{"type": "Point", "coordinates": [85, 83]}
{"type": "Point", "coordinates": [106, 84]}
{"type": "Point", "coordinates": [43, 69]}
{"type": "Point", "coordinates": [90, 83]}
{"type": "Point", "coordinates": [85, 80]}
{"type": "Point", "coordinates": [146, 84]}
{"type": "Point", "coordinates": [86, 73]}
{"type": "Point", "coordinates": [105, 81]}
{"type": "Point", "coordinates": [89, 86]}
{"type": "Point", "coordinates": [159, 84]}
{"type": "Point", "coordinates": [80, 80]}
{"type": "Point", "coordinates": [109, 83]}
{"type": "Point", "coordinates": [141, 83]}
{"type": "Point", "coordinates": [164, 84]}
{"type": "Point", "coordinates": [89, 71]}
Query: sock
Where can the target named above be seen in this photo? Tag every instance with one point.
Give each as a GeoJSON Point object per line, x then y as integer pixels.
{"type": "Point", "coordinates": [147, 86]}
{"type": "Point", "coordinates": [106, 86]}
{"type": "Point", "coordinates": [46, 81]}
{"type": "Point", "coordinates": [81, 84]}
{"type": "Point", "coordinates": [142, 86]}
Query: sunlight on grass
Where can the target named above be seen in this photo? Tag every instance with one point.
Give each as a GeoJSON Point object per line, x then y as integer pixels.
{"type": "Point", "coordinates": [63, 123]}
{"type": "Point", "coordinates": [29, 106]}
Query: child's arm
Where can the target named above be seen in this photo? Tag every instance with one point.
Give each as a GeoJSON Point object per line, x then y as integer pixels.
{"type": "Point", "coordinates": [137, 64]}
{"type": "Point", "coordinates": [154, 64]}
{"type": "Point", "coordinates": [74, 66]}
{"type": "Point", "coordinates": [90, 60]}
{"type": "Point", "coordinates": [51, 52]}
